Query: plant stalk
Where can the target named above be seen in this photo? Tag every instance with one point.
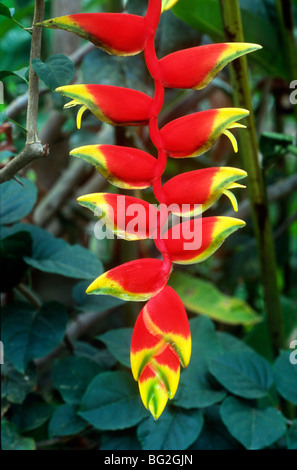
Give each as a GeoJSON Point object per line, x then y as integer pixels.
{"type": "Point", "coordinates": [249, 153]}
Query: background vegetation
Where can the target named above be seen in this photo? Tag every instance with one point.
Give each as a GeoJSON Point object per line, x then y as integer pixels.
{"type": "Point", "coordinates": [66, 382]}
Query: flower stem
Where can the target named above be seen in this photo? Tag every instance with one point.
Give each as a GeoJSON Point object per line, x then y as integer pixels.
{"type": "Point", "coordinates": [257, 192]}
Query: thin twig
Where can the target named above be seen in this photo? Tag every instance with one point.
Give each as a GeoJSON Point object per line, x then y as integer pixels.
{"type": "Point", "coordinates": [33, 148]}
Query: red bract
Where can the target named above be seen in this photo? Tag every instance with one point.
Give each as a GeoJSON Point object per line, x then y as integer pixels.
{"type": "Point", "coordinates": [129, 217]}
{"type": "Point", "coordinates": [197, 67]}
{"type": "Point", "coordinates": [112, 104]}
{"type": "Point", "coordinates": [161, 338]}
{"type": "Point", "coordinates": [116, 33]}
{"type": "Point", "coordinates": [194, 192]}
{"type": "Point", "coordinates": [136, 280]}
{"type": "Point", "coordinates": [112, 161]}
{"type": "Point", "coordinates": [192, 135]}
{"type": "Point", "coordinates": [195, 240]}
{"type": "Point", "coordinates": [159, 344]}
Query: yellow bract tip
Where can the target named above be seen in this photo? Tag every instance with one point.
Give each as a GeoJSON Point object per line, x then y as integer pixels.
{"type": "Point", "coordinates": [79, 115]}
{"type": "Point", "coordinates": [232, 139]}
{"type": "Point", "coordinates": [232, 198]}
{"type": "Point", "coordinates": [167, 4]}
{"type": "Point", "coordinates": [71, 104]}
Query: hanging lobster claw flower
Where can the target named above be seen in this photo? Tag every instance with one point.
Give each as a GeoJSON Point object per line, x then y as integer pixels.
{"type": "Point", "coordinates": [127, 216]}
{"type": "Point", "coordinates": [136, 280]}
{"type": "Point", "coordinates": [125, 167]}
{"type": "Point", "coordinates": [195, 240]}
{"type": "Point", "coordinates": [112, 104]}
{"type": "Point", "coordinates": [194, 192]}
{"type": "Point", "coordinates": [196, 67]}
{"type": "Point", "coordinates": [161, 341]}
{"type": "Point", "coordinates": [194, 134]}
{"type": "Point", "coordinates": [116, 33]}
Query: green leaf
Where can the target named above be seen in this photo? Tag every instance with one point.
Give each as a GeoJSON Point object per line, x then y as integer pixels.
{"type": "Point", "coordinates": [71, 376]}
{"type": "Point", "coordinates": [5, 11]}
{"type": "Point", "coordinates": [17, 201]}
{"type": "Point", "coordinates": [231, 343]}
{"type": "Point", "coordinates": [205, 16]}
{"type": "Point", "coordinates": [254, 428]}
{"type": "Point", "coordinates": [243, 373]}
{"type": "Point", "coordinates": [197, 388]}
{"type": "Point", "coordinates": [65, 422]}
{"type": "Point", "coordinates": [176, 429]}
{"type": "Point", "coordinates": [14, 385]}
{"type": "Point", "coordinates": [204, 298]}
{"type": "Point", "coordinates": [100, 356]}
{"type": "Point", "coordinates": [214, 435]}
{"type": "Point", "coordinates": [285, 371]}
{"type": "Point", "coordinates": [112, 402]}
{"type": "Point", "coordinates": [21, 74]}
{"type": "Point", "coordinates": [11, 440]}
{"type": "Point", "coordinates": [32, 414]}
{"type": "Point", "coordinates": [93, 303]}
{"type": "Point", "coordinates": [292, 436]}
{"type": "Point", "coordinates": [57, 70]}
{"type": "Point", "coordinates": [118, 343]}
{"type": "Point", "coordinates": [121, 440]}
{"type": "Point", "coordinates": [29, 333]}
{"type": "Point", "coordinates": [54, 255]}
{"type": "Point", "coordinates": [12, 251]}
{"type": "Point", "coordinates": [258, 338]}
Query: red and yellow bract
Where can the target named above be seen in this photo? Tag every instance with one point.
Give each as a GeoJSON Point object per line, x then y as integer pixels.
{"type": "Point", "coordinates": [136, 280]}
{"type": "Point", "coordinates": [112, 104]}
{"type": "Point", "coordinates": [127, 216]}
{"type": "Point", "coordinates": [161, 339]}
{"type": "Point", "coordinates": [160, 343]}
{"type": "Point", "coordinates": [194, 192]}
{"type": "Point", "coordinates": [196, 67]}
{"type": "Point", "coordinates": [112, 162]}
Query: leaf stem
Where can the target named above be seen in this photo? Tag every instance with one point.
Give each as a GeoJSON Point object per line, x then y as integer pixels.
{"type": "Point", "coordinates": [257, 192]}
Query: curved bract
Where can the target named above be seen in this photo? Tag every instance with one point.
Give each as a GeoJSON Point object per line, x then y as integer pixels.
{"type": "Point", "coordinates": [114, 161]}
{"type": "Point", "coordinates": [136, 280]}
{"type": "Point", "coordinates": [194, 134]}
{"type": "Point", "coordinates": [127, 216]}
{"type": "Point", "coordinates": [192, 193]}
{"type": "Point", "coordinates": [196, 240]}
{"type": "Point", "coordinates": [197, 66]}
{"type": "Point", "coordinates": [115, 105]}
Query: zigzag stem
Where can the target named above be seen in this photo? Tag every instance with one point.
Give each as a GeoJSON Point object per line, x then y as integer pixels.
{"type": "Point", "coordinates": [153, 66]}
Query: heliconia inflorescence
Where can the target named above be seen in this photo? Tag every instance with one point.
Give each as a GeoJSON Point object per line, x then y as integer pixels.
{"type": "Point", "coordinates": [161, 340]}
